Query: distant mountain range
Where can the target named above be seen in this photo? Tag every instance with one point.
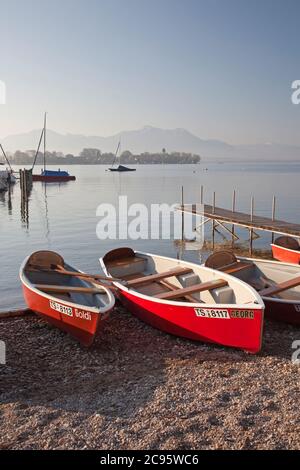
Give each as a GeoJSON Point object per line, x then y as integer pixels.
{"type": "Point", "coordinates": [153, 139]}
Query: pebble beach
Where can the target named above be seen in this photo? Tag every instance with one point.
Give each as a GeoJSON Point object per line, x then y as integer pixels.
{"type": "Point", "coordinates": [139, 388]}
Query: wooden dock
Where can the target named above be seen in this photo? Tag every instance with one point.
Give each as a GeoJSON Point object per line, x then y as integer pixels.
{"type": "Point", "coordinates": [250, 221]}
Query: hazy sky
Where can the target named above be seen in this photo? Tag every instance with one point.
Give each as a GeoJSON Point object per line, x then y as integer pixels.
{"type": "Point", "coordinates": [220, 68]}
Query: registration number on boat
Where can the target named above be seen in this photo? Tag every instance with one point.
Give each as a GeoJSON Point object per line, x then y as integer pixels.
{"type": "Point", "coordinates": [211, 313]}
{"type": "Point", "coordinates": [61, 308]}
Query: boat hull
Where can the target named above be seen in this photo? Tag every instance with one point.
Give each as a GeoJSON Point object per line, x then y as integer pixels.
{"type": "Point", "coordinates": [285, 255]}
{"type": "Point", "coordinates": [82, 324]}
{"type": "Point", "coordinates": [187, 321]}
{"type": "Point", "coordinates": [52, 179]}
{"type": "Point", "coordinates": [276, 308]}
{"type": "Point", "coordinates": [283, 311]}
{"type": "Point", "coordinates": [122, 171]}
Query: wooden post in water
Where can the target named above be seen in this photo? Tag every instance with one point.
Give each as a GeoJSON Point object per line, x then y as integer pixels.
{"type": "Point", "coordinates": [182, 214]}
{"type": "Point", "coordinates": [25, 186]}
{"type": "Point", "coordinates": [213, 221]}
{"type": "Point", "coordinates": [233, 210]}
{"type": "Point", "coordinates": [251, 229]}
{"type": "Point", "coordinates": [201, 194]}
{"type": "Point", "coordinates": [273, 214]}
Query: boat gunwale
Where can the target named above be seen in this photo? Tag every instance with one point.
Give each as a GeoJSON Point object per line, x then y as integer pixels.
{"type": "Point", "coordinates": [274, 299]}
{"type": "Point", "coordinates": [26, 282]}
{"type": "Point", "coordinates": [253, 305]}
{"type": "Point", "coordinates": [285, 249]}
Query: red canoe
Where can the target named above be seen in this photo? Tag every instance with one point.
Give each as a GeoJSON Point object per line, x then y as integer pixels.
{"type": "Point", "coordinates": [286, 249]}
{"type": "Point", "coordinates": [73, 304]}
{"type": "Point", "coordinates": [185, 299]}
{"type": "Point", "coordinates": [277, 283]}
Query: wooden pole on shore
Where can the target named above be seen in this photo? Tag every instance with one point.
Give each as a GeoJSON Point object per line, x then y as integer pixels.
{"type": "Point", "coordinates": [233, 210]}
{"type": "Point", "coordinates": [273, 214]}
{"type": "Point", "coordinates": [25, 186]}
{"type": "Point", "coordinates": [251, 229]}
{"type": "Point", "coordinates": [213, 221]}
{"type": "Point", "coordinates": [182, 214]}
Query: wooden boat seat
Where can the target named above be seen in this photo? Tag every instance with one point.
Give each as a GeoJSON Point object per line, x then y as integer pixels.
{"type": "Point", "coordinates": [67, 289]}
{"type": "Point", "coordinates": [210, 285]}
{"type": "Point", "coordinates": [129, 277]}
{"type": "Point", "coordinates": [269, 291]}
{"type": "Point", "coordinates": [164, 283]}
{"type": "Point", "coordinates": [236, 267]}
{"type": "Point", "coordinates": [124, 262]}
{"type": "Point", "coordinates": [287, 242]}
{"type": "Point", "coordinates": [44, 259]}
{"type": "Point", "coordinates": [171, 287]}
{"type": "Point", "coordinates": [220, 259]}
{"type": "Point", "coordinates": [158, 276]}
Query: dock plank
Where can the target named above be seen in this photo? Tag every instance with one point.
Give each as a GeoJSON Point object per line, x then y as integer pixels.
{"type": "Point", "coordinates": [244, 220]}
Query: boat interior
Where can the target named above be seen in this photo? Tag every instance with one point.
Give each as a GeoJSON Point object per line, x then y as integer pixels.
{"type": "Point", "coordinates": [287, 242]}
{"type": "Point", "coordinates": [175, 280]}
{"type": "Point", "coordinates": [41, 270]}
{"type": "Point", "coordinates": [269, 278]}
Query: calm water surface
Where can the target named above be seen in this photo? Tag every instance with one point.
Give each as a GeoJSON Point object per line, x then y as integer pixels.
{"type": "Point", "coordinates": [62, 217]}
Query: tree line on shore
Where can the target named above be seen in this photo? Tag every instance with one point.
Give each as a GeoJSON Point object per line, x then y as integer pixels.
{"type": "Point", "coordinates": [91, 156]}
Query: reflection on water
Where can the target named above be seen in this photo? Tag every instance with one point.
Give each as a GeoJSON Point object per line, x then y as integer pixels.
{"type": "Point", "coordinates": [62, 216]}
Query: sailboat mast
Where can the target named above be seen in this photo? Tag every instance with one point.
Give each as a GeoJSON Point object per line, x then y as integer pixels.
{"type": "Point", "coordinates": [45, 121]}
{"type": "Point", "coordinates": [116, 154]}
{"type": "Point", "coordinates": [5, 156]}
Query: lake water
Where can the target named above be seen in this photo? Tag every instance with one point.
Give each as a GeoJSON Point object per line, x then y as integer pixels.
{"type": "Point", "coordinates": [62, 217]}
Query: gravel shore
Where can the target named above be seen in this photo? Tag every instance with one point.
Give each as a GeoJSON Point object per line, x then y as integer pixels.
{"type": "Point", "coordinates": [138, 388]}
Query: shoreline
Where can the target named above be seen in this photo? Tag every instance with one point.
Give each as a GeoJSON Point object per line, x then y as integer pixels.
{"type": "Point", "coordinates": [139, 388]}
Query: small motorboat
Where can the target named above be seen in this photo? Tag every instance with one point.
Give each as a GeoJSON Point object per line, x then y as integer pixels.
{"type": "Point", "coordinates": [52, 176]}
{"type": "Point", "coordinates": [65, 297]}
{"type": "Point", "coordinates": [122, 168]}
{"type": "Point", "coordinates": [277, 283]}
{"type": "Point", "coordinates": [286, 249]}
{"type": "Point", "coordinates": [188, 300]}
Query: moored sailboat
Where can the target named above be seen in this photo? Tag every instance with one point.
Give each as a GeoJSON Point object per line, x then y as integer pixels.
{"type": "Point", "coordinates": [49, 176]}
{"type": "Point", "coordinates": [120, 168]}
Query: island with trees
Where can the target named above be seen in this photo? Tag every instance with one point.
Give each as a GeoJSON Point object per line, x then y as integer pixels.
{"type": "Point", "coordinates": [93, 156]}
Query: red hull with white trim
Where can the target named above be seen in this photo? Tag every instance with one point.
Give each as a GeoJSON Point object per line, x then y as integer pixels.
{"type": "Point", "coordinates": [243, 333]}
{"type": "Point", "coordinates": [233, 325]}
{"type": "Point", "coordinates": [80, 320]}
{"type": "Point", "coordinates": [82, 328]}
{"type": "Point", "coordinates": [285, 255]}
